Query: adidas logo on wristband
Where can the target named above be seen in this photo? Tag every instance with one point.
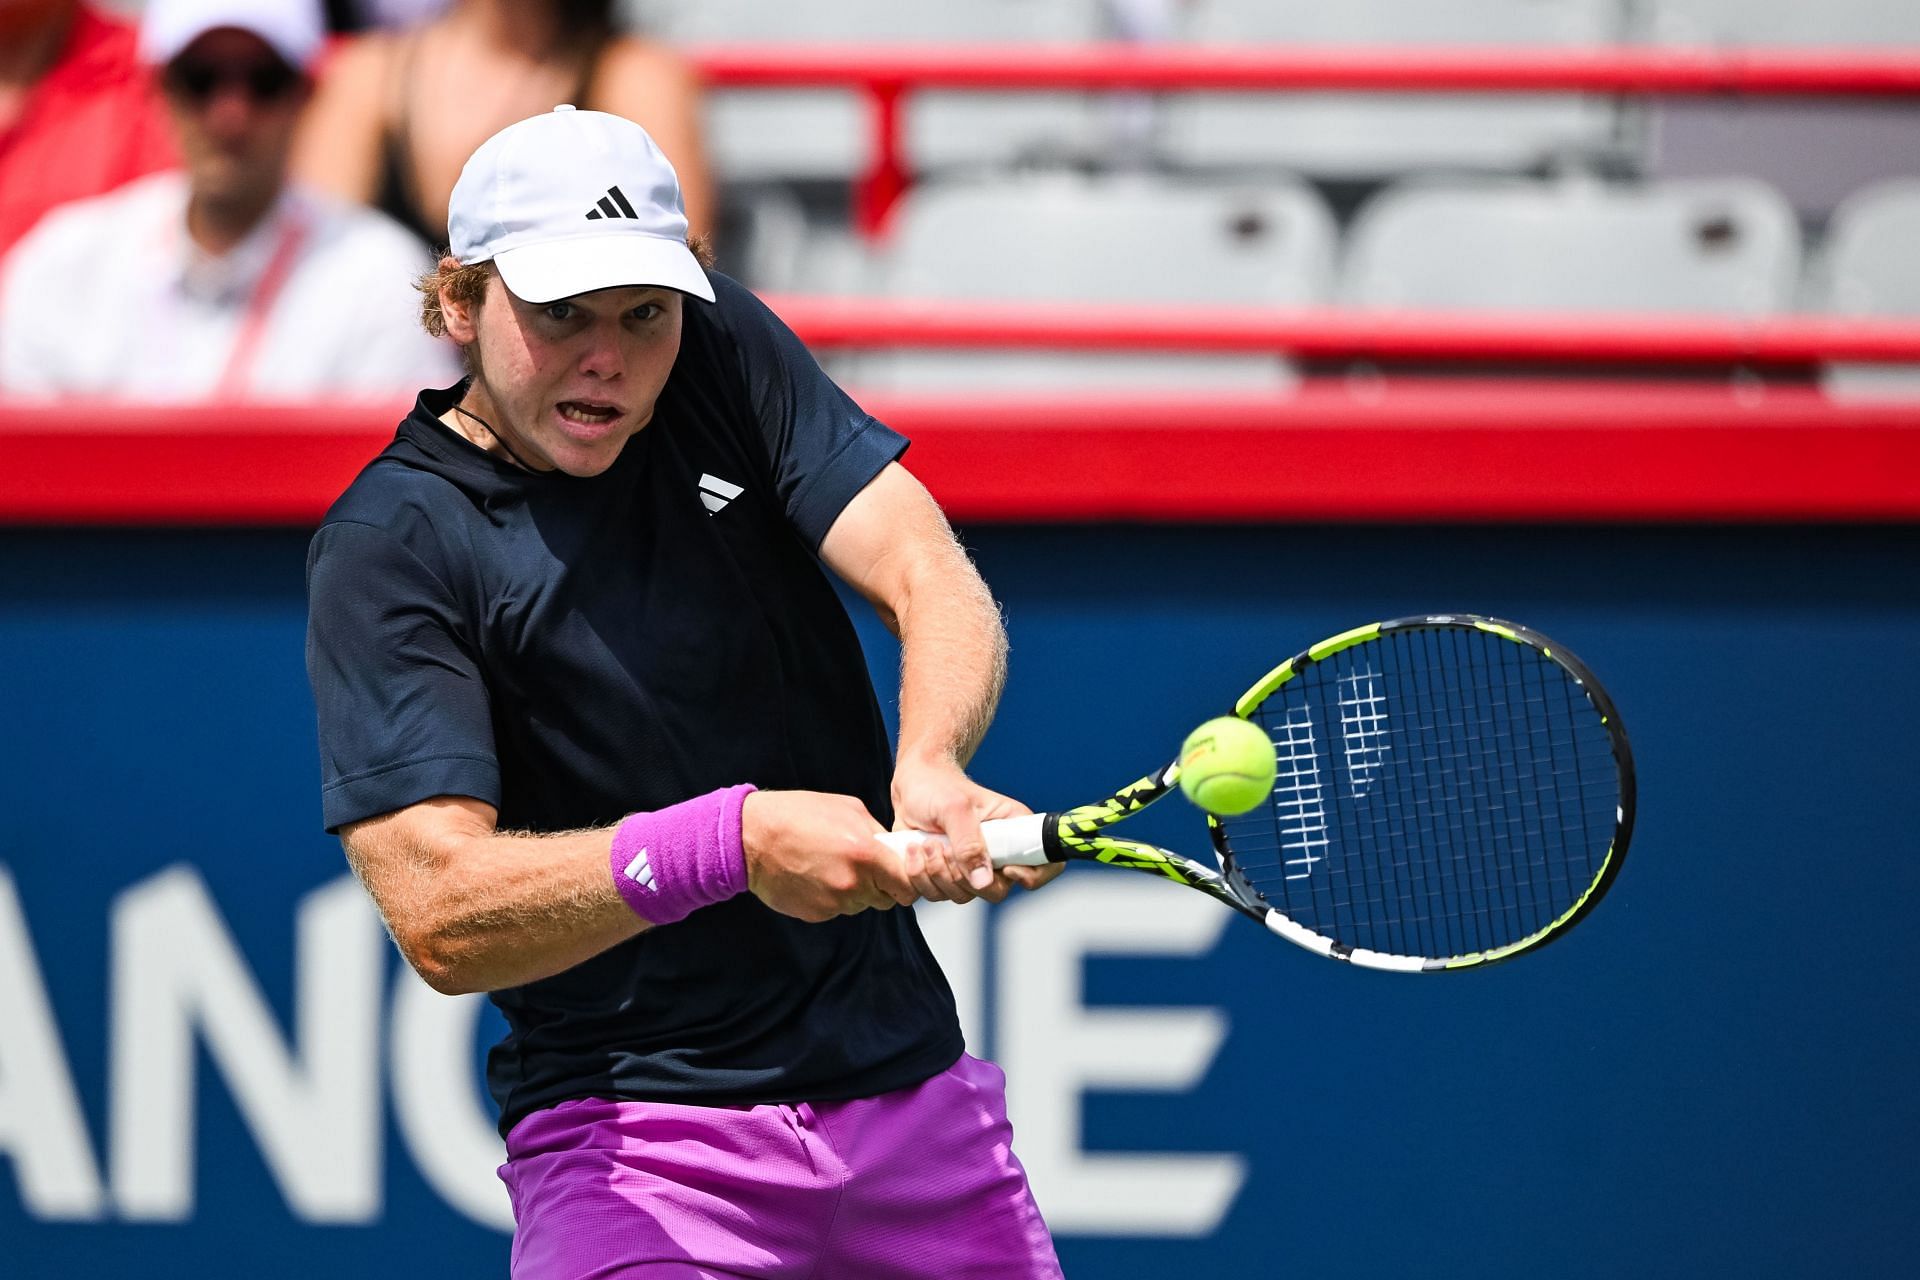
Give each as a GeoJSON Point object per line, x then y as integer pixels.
{"type": "Point", "coordinates": [640, 871]}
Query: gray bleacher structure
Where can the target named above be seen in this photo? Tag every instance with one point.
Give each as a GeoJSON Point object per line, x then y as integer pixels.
{"type": "Point", "coordinates": [1371, 136]}
{"type": "Point", "coordinates": [800, 135]}
{"type": "Point", "coordinates": [1815, 151]}
{"type": "Point", "coordinates": [1112, 239]}
{"type": "Point", "coordinates": [1551, 201]}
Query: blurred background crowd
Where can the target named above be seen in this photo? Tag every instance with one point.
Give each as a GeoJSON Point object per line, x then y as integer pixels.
{"type": "Point", "coordinates": [224, 200]}
{"type": "Point", "coordinates": [230, 199]}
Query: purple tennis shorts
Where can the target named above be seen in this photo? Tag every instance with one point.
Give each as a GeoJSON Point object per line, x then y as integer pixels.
{"type": "Point", "coordinates": [918, 1182]}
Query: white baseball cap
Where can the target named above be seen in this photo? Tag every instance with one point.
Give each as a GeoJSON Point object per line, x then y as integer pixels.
{"type": "Point", "coordinates": [570, 202]}
{"type": "Point", "coordinates": [294, 28]}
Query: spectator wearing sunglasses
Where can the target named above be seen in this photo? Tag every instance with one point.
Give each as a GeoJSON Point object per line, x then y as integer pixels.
{"type": "Point", "coordinates": [78, 113]}
{"type": "Point", "coordinates": [219, 281]}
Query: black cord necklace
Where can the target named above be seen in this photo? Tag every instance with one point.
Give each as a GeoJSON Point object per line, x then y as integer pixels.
{"type": "Point", "coordinates": [517, 459]}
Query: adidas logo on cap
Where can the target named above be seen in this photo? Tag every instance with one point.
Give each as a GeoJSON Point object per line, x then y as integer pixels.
{"type": "Point", "coordinates": [612, 205]}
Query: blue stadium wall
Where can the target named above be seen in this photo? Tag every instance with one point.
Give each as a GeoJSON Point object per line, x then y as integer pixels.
{"type": "Point", "coordinates": [211, 1063]}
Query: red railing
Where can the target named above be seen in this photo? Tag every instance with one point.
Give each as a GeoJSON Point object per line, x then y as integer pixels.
{"type": "Point", "coordinates": [887, 74]}
{"type": "Point", "coordinates": [1334, 334]}
{"type": "Point", "coordinates": [1397, 450]}
{"type": "Point", "coordinates": [1829, 72]}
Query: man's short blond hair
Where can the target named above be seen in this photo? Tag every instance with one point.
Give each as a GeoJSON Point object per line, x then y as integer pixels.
{"type": "Point", "coordinates": [468, 285]}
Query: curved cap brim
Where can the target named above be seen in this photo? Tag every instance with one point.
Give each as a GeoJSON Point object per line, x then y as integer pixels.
{"type": "Point", "coordinates": [559, 269]}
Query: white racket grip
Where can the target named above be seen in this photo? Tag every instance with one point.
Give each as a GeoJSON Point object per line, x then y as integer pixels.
{"type": "Point", "coordinates": [1011, 842]}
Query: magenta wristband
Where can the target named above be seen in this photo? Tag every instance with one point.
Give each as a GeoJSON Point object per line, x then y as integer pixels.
{"type": "Point", "coordinates": [669, 863]}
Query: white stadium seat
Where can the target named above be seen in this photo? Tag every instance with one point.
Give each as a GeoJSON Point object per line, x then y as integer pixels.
{"type": "Point", "coordinates": [1869, 265]}
{"type": "Point", "coordinates": [798, 135]}
{"type": "Point", "coordinates": [1783, 22]}
{"type": "Point", "coordinates": [1126, 239]}
{"type": "Point", "coordinates": [1727, 247]}
{"type": "Point", "coordinates": [1368, 136]}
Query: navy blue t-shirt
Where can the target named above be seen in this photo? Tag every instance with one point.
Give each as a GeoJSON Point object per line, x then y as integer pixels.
{"type": "Point", "coordinates": [572, 650]}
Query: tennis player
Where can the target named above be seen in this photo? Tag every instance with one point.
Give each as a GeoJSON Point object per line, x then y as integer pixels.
{"type": "Point", "coordinates": [598, 736]}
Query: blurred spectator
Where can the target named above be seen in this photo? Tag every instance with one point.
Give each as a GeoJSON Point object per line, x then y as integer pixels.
{"type": "Point", "coordinates": [78, 114]}
{"type": "Point", "coordinates": [358, 15]}
{"type": "Point", "coordinates": [398, 113]}
{"type": "Point", "coordinates": [220, 281]}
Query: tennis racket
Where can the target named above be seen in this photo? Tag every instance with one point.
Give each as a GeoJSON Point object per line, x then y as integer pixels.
{"type": "Point", "coordinates": [1452, 791]}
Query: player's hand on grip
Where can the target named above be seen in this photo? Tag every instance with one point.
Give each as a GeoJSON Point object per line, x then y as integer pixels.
{"type": "Point", "coordinates": [812, 855]}
{"type": "Point", "coordinates": [1032, 877]}
{"type": "Point", "coordinates": [938, 796]}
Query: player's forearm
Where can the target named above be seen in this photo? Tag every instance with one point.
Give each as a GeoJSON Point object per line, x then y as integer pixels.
{"type": "Point", "coordinates": [475, 909]}
{"type": "Point", "coordinates": [479, 912]}
{"type": "Point", "coordinates": [953, 659]}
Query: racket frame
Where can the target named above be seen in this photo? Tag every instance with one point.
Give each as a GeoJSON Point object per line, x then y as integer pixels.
{"type": "Point", "coordinates": [1078, 834]}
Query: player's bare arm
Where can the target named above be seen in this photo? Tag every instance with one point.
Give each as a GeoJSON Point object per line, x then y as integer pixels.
{"type": "Point", "coordinates": [894, 546]}
{"type": "Point", "coordinates": [476, 909]}
{"type": "Point", "coordinates": [473, 909]}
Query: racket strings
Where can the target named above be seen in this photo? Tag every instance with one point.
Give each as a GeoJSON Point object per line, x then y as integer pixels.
{"type": "Point", "coordinates": [1441, 792]}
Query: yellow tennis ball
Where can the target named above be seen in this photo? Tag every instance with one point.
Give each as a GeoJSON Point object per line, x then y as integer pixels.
{"type": "Point", "coordinates": [1227, 765]}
